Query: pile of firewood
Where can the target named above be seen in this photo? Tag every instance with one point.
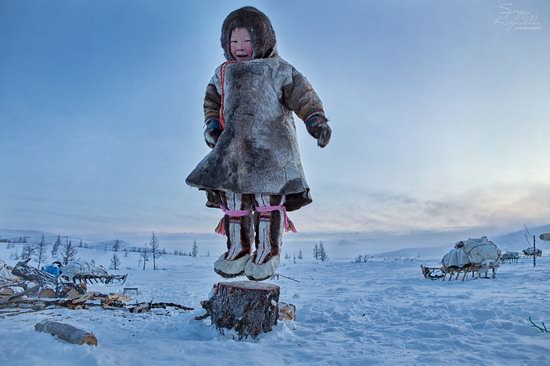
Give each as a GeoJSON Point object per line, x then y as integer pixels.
{"type": "Point", "coordinates": [27, 288]}
{"type": "Point", "coordinates": [26, 281]}
{"type": "Point", "coordinates": [248, 307]}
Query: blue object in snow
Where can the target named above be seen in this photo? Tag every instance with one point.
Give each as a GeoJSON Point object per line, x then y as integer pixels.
{"type": "Point", "coordinates": [52, 270]}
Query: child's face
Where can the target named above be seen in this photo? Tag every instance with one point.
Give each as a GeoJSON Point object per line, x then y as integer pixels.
{"type": "Point", "coordinates": [241, 44]}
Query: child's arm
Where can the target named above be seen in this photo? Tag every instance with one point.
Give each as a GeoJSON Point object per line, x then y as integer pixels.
{"type": "Point", "coordinates": [299, 96]}
{"type": "Point", "coordinates": [212, 103]}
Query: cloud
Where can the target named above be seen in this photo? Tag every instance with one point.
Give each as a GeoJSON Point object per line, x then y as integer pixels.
{"type": "Point", "coordinates": [88, 216]}
{"type": "Point", "coordinates": [508, 205]}
{"type": "Point", "coordinates": [339, 208]}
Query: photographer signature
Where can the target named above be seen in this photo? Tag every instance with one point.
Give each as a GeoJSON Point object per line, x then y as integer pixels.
{"type": "Point", "coordinates": [517, 19]}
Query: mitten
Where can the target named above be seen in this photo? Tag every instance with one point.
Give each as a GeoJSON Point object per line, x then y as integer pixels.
{"type": "Point", "coordinates": [317, 126]}
{"type": "Point", "coordinates": [212, 132]}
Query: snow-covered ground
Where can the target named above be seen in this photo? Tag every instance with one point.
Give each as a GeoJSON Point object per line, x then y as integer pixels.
{"type": "Point", "coordinates": [376, 313]}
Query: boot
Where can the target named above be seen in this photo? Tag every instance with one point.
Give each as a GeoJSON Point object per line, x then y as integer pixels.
{"type": "Point", "coordinates": [269, 229]}
{"type": "Point", "coordinates": [239, 231]}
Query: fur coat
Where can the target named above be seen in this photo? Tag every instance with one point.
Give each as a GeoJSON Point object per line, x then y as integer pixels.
{"type": "Point", "coordinates": [258, 151]}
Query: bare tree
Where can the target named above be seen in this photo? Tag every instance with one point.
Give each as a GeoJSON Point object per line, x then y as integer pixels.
{"type": "Point", "coordinates": [155, 252]}
{"type": "Point", "coordinates": [116, 245]}
{"type": "Point", "coordinates": [300, 254]}
{"type": "Point", "coordinates": [40, 250]}
{"type": "Point", "coordinates": [68, 253]}
{"type": "Point", "coordinates": [115, 262]}
{"type": "Point", "coordinates": [316, 252]}
{"type": "Point", "coordinates": [27, 252]}
{"type": "Point", "coordinates": [195, 250]}
{"type": "Point", "coordinates": [144, 255]}
{"type": "Point", "coordinates": [323, 256]}
{"type": "Point", "coordinates": [56, 245]}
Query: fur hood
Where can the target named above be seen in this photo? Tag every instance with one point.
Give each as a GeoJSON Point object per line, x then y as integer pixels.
{"type": "Point", "coordinates": [260, 29]}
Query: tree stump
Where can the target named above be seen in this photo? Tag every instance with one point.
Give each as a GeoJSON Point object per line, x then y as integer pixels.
{"type": "Point", "coordinates": [248, 307]}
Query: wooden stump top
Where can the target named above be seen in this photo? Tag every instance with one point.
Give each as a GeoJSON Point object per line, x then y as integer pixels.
{"type": "Point", "coordinates": [248, 307]}
{"type": "Point", "coordinates": [248, 285]}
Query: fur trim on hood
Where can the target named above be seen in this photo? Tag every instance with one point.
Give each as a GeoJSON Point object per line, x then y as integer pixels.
{"type": "Point", "coordinates": [260, 29]}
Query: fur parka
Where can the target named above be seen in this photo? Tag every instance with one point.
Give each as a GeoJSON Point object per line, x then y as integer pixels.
{"type": "Point", "coordinates": [258, 151]}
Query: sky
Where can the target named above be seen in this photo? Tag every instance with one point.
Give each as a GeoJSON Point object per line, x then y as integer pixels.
{"type": "Point", "coordinates": [439, 111]}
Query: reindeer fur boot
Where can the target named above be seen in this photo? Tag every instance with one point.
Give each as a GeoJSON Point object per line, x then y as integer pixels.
{"type": "Point", "coordinates": [237, 225]}
{"type": "Point", "coordinates": [269, 228]}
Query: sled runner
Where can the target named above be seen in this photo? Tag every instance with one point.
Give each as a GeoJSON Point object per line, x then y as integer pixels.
{"type": "Point", "coordinates": [509, 257]}
{"type": "Point", "coordinates": [437, 273]}
{"type": "Point", "coordinates": [106, 279]}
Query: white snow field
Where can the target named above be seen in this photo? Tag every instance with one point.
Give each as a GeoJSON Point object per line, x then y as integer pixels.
{"type": "Point", "coordinates": [378, 313]}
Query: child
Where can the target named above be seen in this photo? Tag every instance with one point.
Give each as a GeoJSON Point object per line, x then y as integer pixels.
{"type": "Point", "coordinates": [253, 172]}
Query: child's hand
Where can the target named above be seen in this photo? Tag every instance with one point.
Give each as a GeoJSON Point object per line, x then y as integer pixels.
{"type": "Point", "coordinates": [318, 127]}
{"type": "Point", "coordinates": [212, 132]}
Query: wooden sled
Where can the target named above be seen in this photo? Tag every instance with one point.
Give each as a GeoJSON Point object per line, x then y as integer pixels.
{"type": "Point", "coordinates": [509, 257]}
{"type": "Point", "coordinates": [437, 273]}
{"type": "Point", "coordinates": [106, 279]}
{"type": "Point", "coordinates": [530, 253]}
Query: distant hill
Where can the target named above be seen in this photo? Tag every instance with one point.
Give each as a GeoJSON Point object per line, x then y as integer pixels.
{"type": "Point", "coordinates": [426, 252]}
{"type": "Point", "coordinates": [30, 236]}
{"type": "Point", "coordinates": [339, 245]}
{"type": "Point", "coordinates": [16, 234]}
{"type": "Point", "coordinates": [34, 236]}
{"type": "Point", "coordinates": [109, 244]}
{"type": "Point", "coordinates": [516, 241]}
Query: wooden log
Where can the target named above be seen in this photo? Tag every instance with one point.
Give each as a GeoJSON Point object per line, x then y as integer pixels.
{"type": "Point", "coordinates": [67, 332]}
{"type": "Point", "coordinates": [46, 293]}
{"type": "Point", "coordinates": [287, 311]}
{"type": "Point", "coordinates": [70, 290]}
{"type": "Point", "coordinates": [31, 291]}
{"type": "Point", "coordinates": [10, 289]}
{"type": "Point", "coordinates": [248, 307]}
{"type": "Point", "coordinates": [28, 273]}
{"type": "Point", "coordinates": [7, 291]}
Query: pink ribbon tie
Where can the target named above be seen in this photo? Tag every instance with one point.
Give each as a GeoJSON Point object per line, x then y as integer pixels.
{"type": "Point", "coordinates": [289, 225]}
{"type": "Point", "coordinates": [220, 229]}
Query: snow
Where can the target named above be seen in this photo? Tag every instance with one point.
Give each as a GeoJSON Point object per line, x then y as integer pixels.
{"type": "Point", "coordinates": [377, 313]}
